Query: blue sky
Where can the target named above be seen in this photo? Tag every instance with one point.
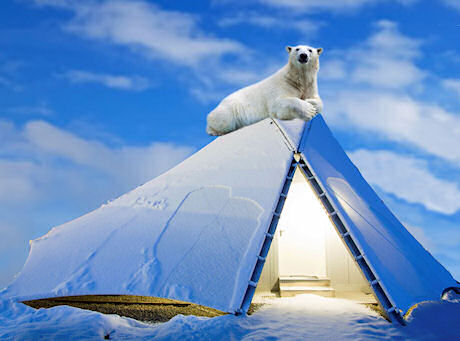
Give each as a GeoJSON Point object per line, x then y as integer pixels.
{"type": "Point", "coordinates": [97, 97]}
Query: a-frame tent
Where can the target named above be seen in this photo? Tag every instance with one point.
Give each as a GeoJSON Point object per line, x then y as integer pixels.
{"type": "Point", "coordinates": [201, 232]}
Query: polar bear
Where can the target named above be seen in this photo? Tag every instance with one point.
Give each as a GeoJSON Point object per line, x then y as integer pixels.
{"type": "Point", "coordinates": [292, 92]}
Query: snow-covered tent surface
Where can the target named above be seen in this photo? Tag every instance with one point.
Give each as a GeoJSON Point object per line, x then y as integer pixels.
{"type": "Point", "coordinates": [191, 234]}
{"type": "Point", "coordinates": [200, 232]}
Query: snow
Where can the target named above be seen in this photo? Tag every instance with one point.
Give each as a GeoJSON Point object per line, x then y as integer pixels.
{"type": "Point", "coordinates": [298, 318]}
{"type": "Point", "coordinates": [157, 240]}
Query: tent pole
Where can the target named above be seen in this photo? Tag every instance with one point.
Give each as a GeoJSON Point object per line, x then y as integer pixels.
{"type": "Point", "coordinates": [269, 234]}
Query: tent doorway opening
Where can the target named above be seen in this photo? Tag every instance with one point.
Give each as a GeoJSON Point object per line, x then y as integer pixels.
{"type": "Point", "coordinates": [307, 255]}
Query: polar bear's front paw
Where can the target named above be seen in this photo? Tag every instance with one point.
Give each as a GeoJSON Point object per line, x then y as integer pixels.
{"type": "Point", "coordinates": [317, 104]}
{"type": "Point", "coordinates": [309, 112]}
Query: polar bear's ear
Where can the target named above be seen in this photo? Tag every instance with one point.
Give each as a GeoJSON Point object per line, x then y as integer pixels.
{"type": "Point", "coordinates": [319, 50]}
{"type": "Point", "coordinates": [289, 49]}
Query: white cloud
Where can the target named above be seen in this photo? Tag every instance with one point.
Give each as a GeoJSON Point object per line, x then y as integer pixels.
{"type": "Point", "coordinates": [452, 84]}
{"type": "Point", "coordinates": [135, 83]}
{"type": "Point", "coordinates": [214, 87]}
{"type": "Point", "coordinates": [407, 178]}
{"type": "Point", "coordinates": [8, 83]}
{"type": "Point", "coordinates": [266, 21]}
{"type": "Point", "coordinates": [17, 181]}
{"type": "Point", "coordinates": [50, 175]}
{"type": "Point", "coordinates": [172, 37]}
{"type": "Point", "coordinates": [9, 69]}
{"type": "Point", "coordinates": [333, 69]}
{"type": "Point", "coordinates": [398, 118]}
{"type": "Point", "coordinates": [42, 160]}
{"type": "Point", "coordinates": [328, 5]}
{"type": "Point", "coordinates": [367, 89]}
{"type": "Point", "coordinates": [452, 3]}
{"type": "Point", "coordinates": [41, 109]}
{"type": "Point", "coordinates": [145, 27]}
{"type": "Point", "coordinates": [385, 60]}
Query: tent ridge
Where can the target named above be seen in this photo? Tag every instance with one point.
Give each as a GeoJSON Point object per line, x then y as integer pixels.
{"type": "Point", "coordinates": [305, 135]}
{"type": "Point", "coordinates": [285, 136]}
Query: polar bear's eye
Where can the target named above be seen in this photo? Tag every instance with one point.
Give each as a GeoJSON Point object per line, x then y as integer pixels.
{"type": "Point", "coordinates": [309, 50]}
{"type": "Point", "coordinates": [297, 49]}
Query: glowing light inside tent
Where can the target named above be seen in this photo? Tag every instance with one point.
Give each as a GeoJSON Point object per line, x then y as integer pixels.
{"type": "Point", "coordinates": [308, 254]}
{"type": "Point", "coordinates": [302, 232]}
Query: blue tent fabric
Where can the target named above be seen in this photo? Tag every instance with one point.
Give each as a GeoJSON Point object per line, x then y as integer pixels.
{"type": "Point", "coordinates": [200, 232]}
{"type": "Point", "coordinates": [406, 272]}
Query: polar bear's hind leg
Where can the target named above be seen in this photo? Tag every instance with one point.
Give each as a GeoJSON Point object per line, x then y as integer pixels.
{"type": "Point", "coordinates": [220, 121]}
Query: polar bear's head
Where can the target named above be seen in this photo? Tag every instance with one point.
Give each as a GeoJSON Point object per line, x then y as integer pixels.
{"type": "Point", "coordinates": [302, 55]}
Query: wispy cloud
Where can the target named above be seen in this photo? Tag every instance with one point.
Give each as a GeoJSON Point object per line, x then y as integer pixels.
{"type": "Point", "coordinates": [41, 109]}
{"type": "Point", "coordinates": [452, 3]}
{"type": "Point", "coordinates": [9, 83]}
{"type": "Point", "coordinates": [452, 84]}
{"type": "Point", "coordinates": [9, 68]}
{"type": "Point", "coordinates": [172, 37]}
{"type": "Point", "coordinates": [45, 149]}
{"type": "Point", "coordinates": [146, 28]}
{"type": "Point", "coordinates": [385, 60]}
{"type": "Point", "coordinates": [328, 5]}
{"type": "Point", "coordinates": [304, 26]}
{"type": "Point", "coordinates": [399, 118]}
{"type": "Point", "coordinates": [377, 97]}
{"type": "Point", "coordinates": [376, 65]}
{"type": "Point", "coordinates": [49, 175]}
{"type": "Point", "coordinates": [121, 82]}
{"type": "Point", "coordinates": [413, 182]}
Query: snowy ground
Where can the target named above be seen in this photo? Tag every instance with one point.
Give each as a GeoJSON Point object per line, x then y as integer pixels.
{"type": "Point", "coordinates": [303, 317]}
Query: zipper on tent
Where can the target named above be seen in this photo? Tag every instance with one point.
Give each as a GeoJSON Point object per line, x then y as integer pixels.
{"type": "Point", "coordinates": [269, 234]}
{"type": "Point", "coordinates": [391, 311]}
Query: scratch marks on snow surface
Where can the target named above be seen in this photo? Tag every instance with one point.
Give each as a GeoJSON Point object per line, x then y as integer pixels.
{"type": "Point", "coordinates": [160, 204]}
{"type": "Point", "coordinates": [201, 246]}
{"type": "Point", "coordinates": [81, 279]}
{"type": "Point", "coordinates": [142, 196]}
{"type": "Point", "coordinates": [148, 273]}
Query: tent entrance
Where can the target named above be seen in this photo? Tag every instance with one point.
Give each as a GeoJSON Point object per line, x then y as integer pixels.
{"type": "Point", "coordinates": [307, 256]}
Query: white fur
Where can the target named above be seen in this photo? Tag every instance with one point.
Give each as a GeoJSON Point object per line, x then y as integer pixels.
{"type": "Point", "coordinates": [292, 92]}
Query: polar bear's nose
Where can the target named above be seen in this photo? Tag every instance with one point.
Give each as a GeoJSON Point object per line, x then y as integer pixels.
{"type": "Point", "coordinates": [303, 58]}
